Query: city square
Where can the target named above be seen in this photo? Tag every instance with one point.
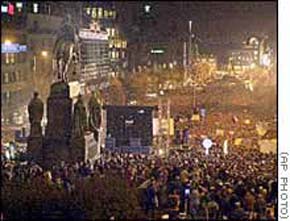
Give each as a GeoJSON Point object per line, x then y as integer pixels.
{"type": "Point", "coordinates": [139, 110]}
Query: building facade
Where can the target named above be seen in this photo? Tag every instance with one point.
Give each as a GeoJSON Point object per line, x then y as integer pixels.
{"type": "Point", "coordinates": [105, 14]}
{"type": "Point", "coordinates": [254, 52]}
{"type": "Point", "coordinates": [30, 26]}
{"type": "Point", "coordinates": [16, 77]}
{"type": "Point", "coordinates": [35, 26]}
{"type": "Point", "coordinates": [94, 58]}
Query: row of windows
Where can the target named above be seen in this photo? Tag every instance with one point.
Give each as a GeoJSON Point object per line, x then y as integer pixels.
{"type": "Point", "coordinates": [116, 54]}
{"type": "Point", "coordinates": [99, 13]}
{"type": "Point", "coordinates": [12, 58]}
{"type": "Point", "coordinates": [13, 77]}
{"type": "Point", "coordinates": [117, 43]}
{"type": "Point", "coordinates": [12, 97]}
{"type": "Point", "coordinates": [112, 32]}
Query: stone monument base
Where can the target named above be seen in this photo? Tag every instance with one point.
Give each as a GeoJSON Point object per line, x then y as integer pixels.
{"type": "Point", "coordinates": [84, 148]}
{"type": "Point", "coordinates": [55, 151]}
{"type": "Point", "coordinates": [34, 148]}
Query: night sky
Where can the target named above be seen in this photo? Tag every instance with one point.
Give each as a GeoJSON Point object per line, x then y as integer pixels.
{"type": "Point", "coordinates": [217, 24]}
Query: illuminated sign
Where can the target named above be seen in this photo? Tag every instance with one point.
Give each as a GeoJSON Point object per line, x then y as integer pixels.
{"type": "Point", "coordinates": [19, 5]}
{"type": "Point", "coordinates": [157, 51]}
{"type": "Point", "coordinates": [4, 8]}
{"type": "Point", "coordinates": [147, 8]}
{"type": "Point", "coordinates": [88, 34]}
{"type": "Point", "coordinates": [13, 48]}
{"type": "Point", "coordinates": [35, 8]}
{"type": "Point", "coordinates": [10, 9]}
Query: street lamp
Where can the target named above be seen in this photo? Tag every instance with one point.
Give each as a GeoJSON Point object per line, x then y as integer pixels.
{"type": "Point", "coordinates": [44, 53]}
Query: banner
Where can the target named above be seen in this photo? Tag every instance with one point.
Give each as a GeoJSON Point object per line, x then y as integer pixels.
{"type": "Point", "coordinates": [155, 126]}
{"type": "Point", "coordinates": [238, 141]}
{"type": "Point", "coordinates": [74, 89]}
{"type": "Point", "coordinates": [261, 130]}
{"type": "Point", "coordinates": [202, 112]}
{"type": "Point", "coordinates": [268, 146]}
{"type": "Point", "coordinates": [164, 126]}
{"type": "Point", "coordinates": [220, 132]}
{"type": "Point", "coordinates": [195, 117]}
{"type": "Point", "coordinates": [225, 147]}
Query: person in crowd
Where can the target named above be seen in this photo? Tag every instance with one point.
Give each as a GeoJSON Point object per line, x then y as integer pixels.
{"type": "Point", "coordinates": [174, 204]}
{"type": "Point", "coordinates": [238, 185]}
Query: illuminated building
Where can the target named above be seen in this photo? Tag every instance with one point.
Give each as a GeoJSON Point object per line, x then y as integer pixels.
{"type": "Point", "coordinates": [26, 59]}
{"type": "Point", "coordinates": [255, 52]}
{"type": "Point", "coordinates": [105, 14]}
{"type": "Point", "coordinates": [16, 77]}
{"type": "Point", "coordinates": [94, 57]}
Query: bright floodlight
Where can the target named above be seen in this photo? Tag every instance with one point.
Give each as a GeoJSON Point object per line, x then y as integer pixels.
{"type": "Point", "coordinates": [253, 65]}
{"type": "Point", "coordinates": [147, 8]}
{"type": "Point", "coordinates": [7, 42]}
{"type": "Point", "coordinates": [266, 61]}
{"type": "Point", "coordinates": [44, 53]}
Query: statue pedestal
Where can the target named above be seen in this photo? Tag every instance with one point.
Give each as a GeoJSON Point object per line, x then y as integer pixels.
{"type": "Point", "coordinates": [59, 112]}
{"type": "Point", "coordinates": [34, 148]}
{"type": "Point", "coordinates": [84, 148]}
{"type": "Point", "coordinates": [58, 131]}
{"type": "Point", "coordinates": [55, 151]}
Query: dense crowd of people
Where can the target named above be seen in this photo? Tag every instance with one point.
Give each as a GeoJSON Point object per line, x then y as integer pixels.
{"type": "Point", "coordinates": [239, 185]}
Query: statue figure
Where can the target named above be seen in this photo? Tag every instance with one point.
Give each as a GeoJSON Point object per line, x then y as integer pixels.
{"type": "Point", "coordinates": [95, 114]}
{"type": "Point", "coordinates": [64, 58]}
{"type": "Point", "coordinates": [65, 48]}
{"type": "Point", "coordinates": [35, 111]}
{"type": "Point", "coordinates": [79, 118]}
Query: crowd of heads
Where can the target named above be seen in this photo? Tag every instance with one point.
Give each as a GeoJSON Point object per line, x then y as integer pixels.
{"type": "Point", "coordinates": [239, 185]}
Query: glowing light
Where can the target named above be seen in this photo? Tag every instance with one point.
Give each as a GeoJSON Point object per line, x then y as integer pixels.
{"type": "Point", "coordinates": [253, 65]}
{"type": "Point", "coordinates": [35, 8]}
{"type": "Point", "coordinates": [44, 53]}
{"type": "Point", "coordinates": [4, 9]}
{"type": "Point", "coordinates": [225, 147]}
{"type": "Point", "coordinates": [207, 143]}
{"type": "Point", "coordinates": [10, 9]}
{"type": "Point", "coordinates": [7, 42]}
{"type": "Point", "coordinates": [19, 4]}
{"type": "Point", "coordinates": [266, 60]}
{"type": "Point", "coordinates": [147, 8]}
{"type": "Point", "coordinates": [157, 51]}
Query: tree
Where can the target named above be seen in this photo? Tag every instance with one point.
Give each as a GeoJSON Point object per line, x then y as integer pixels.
{"type": "Point", "coordinates": [152, 82]}
{"type": "Point", "coordinates": [116, 93]}
{"type": "Point", "coordinates": [202, 71]}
